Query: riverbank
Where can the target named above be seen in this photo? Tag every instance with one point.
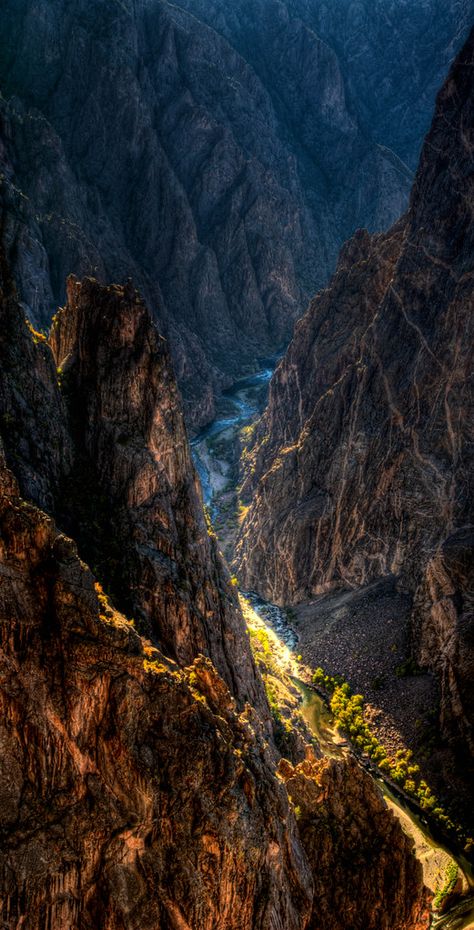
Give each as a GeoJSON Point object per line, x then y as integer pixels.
{"type": "Point", "coordinates": [435, 858]}
{"type": "Point", "coordinates": [364, 636]}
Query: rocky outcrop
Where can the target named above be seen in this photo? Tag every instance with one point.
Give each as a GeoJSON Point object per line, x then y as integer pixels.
{"type": "Point", "coordinates": [362, 464]}
{"type": "Point", "coordinates": [97, 438]}
{"type": "Point", "coordinates": [332, 799]}
{"type": "Point", "coordinates": [219, 155]}
{"type": "Point", "coordinates": [132, 460]}
{"type": "Point", "coordinates": [132, 791]}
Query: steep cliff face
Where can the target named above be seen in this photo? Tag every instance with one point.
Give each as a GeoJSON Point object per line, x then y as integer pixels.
{"type": "Point", "coordinates": [443, 618]}
{"type": "Point", "coordinates": [362, 464]}
{"type": "Point", "coordinates": [217, 154]}
{"type": "Point", "coordinates": [387, 60]}
{"type": "Point", "coordinates": [132, 792]}
{"type": "Point", "coordinates": [332, 801]}
{"type": "Point", "coordinates": [395, 55]}
{"type": "Point", "coordinates": [135, 791]}
{"type": "Point", "coordinates": [102, 446]}
{"type": "Point", "coordinates": [132, 459]}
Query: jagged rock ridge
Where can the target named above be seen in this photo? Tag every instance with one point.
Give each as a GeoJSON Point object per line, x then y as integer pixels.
{"type": "Point", "coordinates": [362, 464]}
{"type": "Point", "coordinates": [107, 454]}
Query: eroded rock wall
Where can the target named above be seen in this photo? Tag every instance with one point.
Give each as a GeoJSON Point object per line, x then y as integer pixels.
{"type": "Point", "coordinates": [332, 799]}
{"type": "Point", "coordinates": [362, 463]}
{"type": "Point", "coordinates": [97, 438]}
{"type": "Point", "coordinates": [132, 792]}
{"type": "Point", "coordinates": [137, 791]}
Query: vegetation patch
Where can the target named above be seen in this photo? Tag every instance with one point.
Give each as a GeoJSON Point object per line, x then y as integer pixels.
{"type": "Point", "coordinates": [348, 711]}
{"type": "Point", "coordinates": [450, 882]}
{"type": "Point", "coordinates": [36, 334]}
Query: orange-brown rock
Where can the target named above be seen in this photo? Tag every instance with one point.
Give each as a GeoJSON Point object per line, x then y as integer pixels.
{"type": "Point", "coordinates": [102, 446]}
{"type": "Point", "coordinates": [132, 794]}
{"type": "Point", "coordinates": [364, 877]}
{"type": "Point", "coordinates": [136, 788]}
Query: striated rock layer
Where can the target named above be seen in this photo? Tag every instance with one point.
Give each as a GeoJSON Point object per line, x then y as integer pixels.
{"type": "Point", "coordinates": [137, 791]}
{"type": "Point", "coordinates": [362, 464]}
{"type": "Point", "coordinates": [218, 153]}
{"type": "Point", "coordinates": [134, 795]}
{"type": "Point", "coordinates": [133, 466]}
{"type": "Point", "coordinates": [332, 801]}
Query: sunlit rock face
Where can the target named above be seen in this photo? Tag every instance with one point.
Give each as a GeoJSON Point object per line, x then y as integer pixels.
{"type": "Point", "coordinates": [134, 793]}
{"type": "Point", "coordinates": [362, 464]}
{"type": "Point", "coordinates": [219, 155]}
{"type": "Point", "coordinates": [137, 790]}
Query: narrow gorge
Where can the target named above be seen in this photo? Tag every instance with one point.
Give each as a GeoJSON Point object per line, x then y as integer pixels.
{"type": "Point", "coordinates": [359, 476]}
{"type": "Point", "coordinates": [130, 744]}
{"type": "Point", "coordinates": [236, 532]}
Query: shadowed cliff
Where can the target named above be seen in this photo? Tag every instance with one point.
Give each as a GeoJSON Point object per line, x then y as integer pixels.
{"type": "Point", "coordinates": [218, 155]}
{"type": "Point", "coordinates": [139, 791]}
{"type": "Point", "coordinates": [362, 465]}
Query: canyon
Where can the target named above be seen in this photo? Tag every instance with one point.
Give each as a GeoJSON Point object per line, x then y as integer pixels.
{"type": "Point", "coordinates": [214, 534]}
{"type": "Point", "coordinates": [217, 154]}
{"type": "Point", "coordinates": [140, 787]}
{"type": "Point", "coordinates": [361, 465]}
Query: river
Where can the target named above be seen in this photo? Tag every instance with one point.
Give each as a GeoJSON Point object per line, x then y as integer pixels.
{"type": "Point", "coordinates": [244, 401]}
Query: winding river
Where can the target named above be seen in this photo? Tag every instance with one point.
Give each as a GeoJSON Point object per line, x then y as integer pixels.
{"type": "Point", "coordinates": [244, 403]}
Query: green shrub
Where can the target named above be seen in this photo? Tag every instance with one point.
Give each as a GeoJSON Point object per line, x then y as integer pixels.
{"type": "Point", "coordinates": [450, 879]}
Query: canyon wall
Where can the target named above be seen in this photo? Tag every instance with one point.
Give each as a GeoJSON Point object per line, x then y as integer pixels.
{"type": "Point", "coordinates": [362, 462]}
{"type": "Point", "coordinates": [133, 794]}
{"type": "Point", "coordinates": [388, 59]}
{"type": "Point", "coordinates": [97, 438]}
{"type": "Point", "coordinates": [139, 785]}
{"type": "Point", "coordinates": [218, 155]}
